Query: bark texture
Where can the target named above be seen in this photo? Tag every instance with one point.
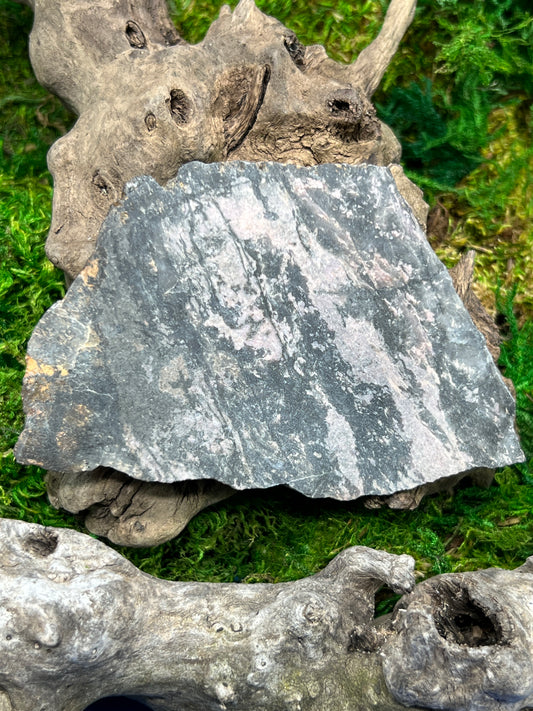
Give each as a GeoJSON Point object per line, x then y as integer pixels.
{"type": "Point", "coordinates": [72, 42]}
{"type": "Point", "coordinates": [79, 623]}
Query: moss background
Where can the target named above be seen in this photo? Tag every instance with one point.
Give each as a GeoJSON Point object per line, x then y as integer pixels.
{"type": "Point", "coordinates": [459, 96]}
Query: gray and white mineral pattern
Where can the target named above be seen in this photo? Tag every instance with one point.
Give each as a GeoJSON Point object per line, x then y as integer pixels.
{"type": "Point", "coordinates": [264, 324]}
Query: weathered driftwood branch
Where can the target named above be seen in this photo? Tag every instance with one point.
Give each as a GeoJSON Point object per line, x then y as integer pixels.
{"type": "Point", "coordinates": [71, 42]}
{"type": "Point", "coordinates": [371, 64]}
{"type": "Point", "coordinates": [138, 513]}
{"type": "Point", "coordinates": [131, 512]}
{"type": "Point", "coordinates": [80, 623]}
{"type": "Point", "coordinates": [149, 103]}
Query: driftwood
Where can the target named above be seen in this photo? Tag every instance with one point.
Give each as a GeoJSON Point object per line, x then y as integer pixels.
{"type": "Point", "coordinates": [80, 623]}
{"type": "Point", "coordinates": [130, 512]}
{"type": "Point", "coordinates": [148, 102]}
{"type": "Point", "coordinates": [462, 275]}
{"type": "Point", "coordinates": [135, 513]}
{"type": "Point", "coordinates": [464, 641]}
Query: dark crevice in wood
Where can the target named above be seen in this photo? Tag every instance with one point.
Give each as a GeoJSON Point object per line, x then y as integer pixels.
{"type": "Point", "coordinates": [354, 118]}
{"type": "Point", "coordinates": [135, 35]}
{"type": "Point", "coordinates": [242, 98]}
{"type": "Point", "coordinates": [41, 545]}
{"type": "Point", "coordinates": [461, 620]}
{"type": "Point", "coordinates": [103, 186]}
{"type": "Point", "coordinates": [179, 106]}
{"type": "Point", "coordinates": [339, 106]}
{"type": "Point", "coordinates": [295, 49]}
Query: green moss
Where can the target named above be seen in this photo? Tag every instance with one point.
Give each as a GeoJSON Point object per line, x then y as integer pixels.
{"type": "Point", "coordinates": [459, 95]}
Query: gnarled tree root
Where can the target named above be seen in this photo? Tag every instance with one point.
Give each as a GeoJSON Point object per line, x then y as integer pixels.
{"type": "Point", "coordinates": [137, 513]}
{"type": "Point", "coordinates": [80, 623]}
{"type": "Point", "coordinates": [130, 512]}
{"type": "Point", "coordinates": [148, 102]}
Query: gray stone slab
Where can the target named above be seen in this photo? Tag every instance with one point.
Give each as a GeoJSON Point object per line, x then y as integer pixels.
{"type": "Point", "coordinates": [265, 324]}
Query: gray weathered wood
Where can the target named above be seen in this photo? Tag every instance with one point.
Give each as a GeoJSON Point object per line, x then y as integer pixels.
{"type": "Point", "coordinates": [78, 623]}
{"type": "Point", "coordinates": [464, 641]}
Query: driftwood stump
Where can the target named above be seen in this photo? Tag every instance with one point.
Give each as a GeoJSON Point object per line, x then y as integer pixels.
{"type": "Point", "coordinates": [148, 102]}
{"type": "Point", "coordinates": [80, 623]}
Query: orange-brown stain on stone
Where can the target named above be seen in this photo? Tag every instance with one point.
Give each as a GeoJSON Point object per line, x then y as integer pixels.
{"type": "Point", "coordinates": [35, 369]}
{"type": "Point", "coordinates": [90, 272]}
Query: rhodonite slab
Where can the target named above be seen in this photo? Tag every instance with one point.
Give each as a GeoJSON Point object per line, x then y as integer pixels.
{"type": "Point", "coordinates": [265, 324]}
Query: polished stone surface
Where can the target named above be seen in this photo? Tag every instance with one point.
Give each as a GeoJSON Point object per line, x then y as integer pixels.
{"type": "Point", "coordinates": [263, 324]}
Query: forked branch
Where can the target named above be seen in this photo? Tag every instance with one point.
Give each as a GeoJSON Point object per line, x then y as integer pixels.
{"type": "Point", "coordinates": [372, 62]}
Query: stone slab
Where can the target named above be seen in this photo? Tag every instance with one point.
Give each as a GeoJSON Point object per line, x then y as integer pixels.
{"type": "Point", "coordinates": [265, 324]}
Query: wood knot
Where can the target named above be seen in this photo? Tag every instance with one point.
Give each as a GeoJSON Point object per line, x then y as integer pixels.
{"type": "Point", "coordinates": [135, 35]}
{"type": "Point", "coordinates": [295, 49]}
{"type": "Point", "coordinates": [150, 121]}
{"type": "Point", "coordinates": [354, 117]}
{"type": "Point", "coordinates": [180, 106]}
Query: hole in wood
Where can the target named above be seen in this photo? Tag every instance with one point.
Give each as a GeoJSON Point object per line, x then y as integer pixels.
{"type": "Point", "coordinates": [42, 544]}
{"type": "Point", "coordinates": [338, 106]}
{"type": "Point", "coordinates": [101, 183]}
{"type": "Point", "coordinates": [171, 37]}
{"type": "Point", "coordinates": [150, 121]}
{"type": "Point", "coordinates": [295, 49]}
{"type": "Point", "coordinates": [461, 620]}
{"type": "Point", "coordinates": [179, 106]}
{"type": "Point", "coordinates": [384, 601]}
{"type": "Point", "coordinates": [135, 35]}
{"type": "Point", "coordinates": [116, 703]}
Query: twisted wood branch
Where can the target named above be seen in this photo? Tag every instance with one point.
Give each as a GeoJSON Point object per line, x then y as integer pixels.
{"type": "Point", "coordinates": [80, 623]}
